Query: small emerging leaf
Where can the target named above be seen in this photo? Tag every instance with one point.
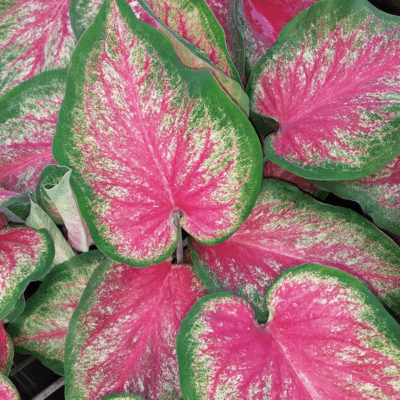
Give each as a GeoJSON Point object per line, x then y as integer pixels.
{"type": "Point", "coordinates": [327, 337]}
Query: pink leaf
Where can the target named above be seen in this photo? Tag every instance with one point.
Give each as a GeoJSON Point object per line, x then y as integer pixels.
{"type": "Point", "coordinates": [7, 389]}
{"type": "Point", "coordinates": [122, 335]}
{"type": "Point", "coordinates": [27, 125]}
{"type": "Point", "coordinates": [327, 337]}
{"type": "Point", "coordinates": [147, 142]}
{"type": "Point", "coordinates": [287, 228]}
{"type": "Point", "coordinates": [338, 110]}
{"type": "Point", "coordinates": [36, 36]}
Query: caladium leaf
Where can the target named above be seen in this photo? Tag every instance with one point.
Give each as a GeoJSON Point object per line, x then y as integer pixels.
{"type": "Point", "coordinates": [339, 110]}
{"type": "Point", "coordinates": [83, 13]}
{"type": "Point", "coordinates": [42, 328]}
{"type": "Point", "coordinates": [327, 337]}
{"type": "Point", "coordinates": [287, 228]}
{"type": "Point", "coordinates": [36, 36]}
{"type": "Point", "coordinates": [378, 194]}
{"type": "Point", "coordinates": [199, 42]}
{"type": "Point", "coordinates": [25, 255]}
{"type": "Point", "coordinates": [14, 205]}
{"type": "Point", "coordinates": [6, 351]}
{"type": "Point", "coordinates": [38, 219]}
{"type": "Point", "coordinates": [28, 122]}
{"type": "Point", "coordinates": [148, 139]}
{"type": "Point", "coordinates": [143, 307]}
{"type": "Point", "coordinates": [7, 389]}
{"type": "Point", "coordinates": [17, 310]}
{"type": "Point", "coordinates": [122, 396]}
{"type": "Point", "coordinates": [62, 196]}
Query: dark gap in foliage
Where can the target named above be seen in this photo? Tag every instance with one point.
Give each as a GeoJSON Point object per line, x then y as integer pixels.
{"type": "Point", "coordinates": [388, 6]}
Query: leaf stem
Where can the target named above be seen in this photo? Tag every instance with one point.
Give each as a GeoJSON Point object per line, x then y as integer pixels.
{"type": "Point", "coordinates": [179, 247]}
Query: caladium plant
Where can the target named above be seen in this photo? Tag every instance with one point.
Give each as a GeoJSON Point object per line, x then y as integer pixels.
{"type": "Point", "coordinates": [127, 126]}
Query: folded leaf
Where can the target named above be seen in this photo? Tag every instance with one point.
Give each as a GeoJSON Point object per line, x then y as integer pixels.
{"type": "Point", "coordinates": [327, 337]}
{"type": "Point", "coordinates": [43, 326]}
{"type": "Point", "coordinates": [287, 228]}
{"type": "Point", "coordinates": [148, 139]}
{"type": "Point", "coordinates": [25, 255]}
{"type": "Point", "coordinates": [7, 389]}
{"type": "Point", "coordinates": [14, 206]}
{"type": "Point", "coordinates": [38, 219]}
{"type": "Point", "coordinates": [36, 36]}
{"type": "Point", "coordinates": [334, 89]}
{"type": "Point", "coordinates": [28, 122]}
{"type": "Point", "coordinates": [378, 194]}
{"type": "Point", "coordinates": [122, 335]}
{"type": "Point", "coordinates": [63, 197]}
{"type": "Point", "coordinates": [83, 13]}
{"type": "Point", "coordinates": [6, 351]}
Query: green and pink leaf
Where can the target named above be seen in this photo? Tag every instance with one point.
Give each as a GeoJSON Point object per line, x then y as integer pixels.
{"type": "Point", "coordinates": [287, 228]}
{"type": "Point", "coordinates": [122, 337]}
{"type": "Point", "coordinates": [25, 255]}
{"type": "Point", "coordinates": [6, 351]}
{"type": "Point", "coordinates": [327, 337]}
{"type": "Point", "coordinates": [147, 143]}
{"type": "Point", "coordinates": [7, 389]}
{"type": "Point", "coordinates": [36, 36]}
{"type": "Point", "coordinates": [42, 328]}
{"type": "Point", "coordinates": [338, 110]}
{"type": "Point", "coordinates": [27, 126]}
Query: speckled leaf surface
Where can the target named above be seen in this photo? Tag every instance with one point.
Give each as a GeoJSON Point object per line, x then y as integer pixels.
{"type": "Point", "coordinates": [199, 42]}
{"type": "Point", "coordinates": [25, 255]}
{"type": "Point", "coordinates": [143, 309]}
{"type": "Point", "coordinates": [12, 204]}
{"type": "Point", "coordinates": [83, 13]}
{"type": "Point", "coordinates": [35, 36]}
{"type": "Point", "coordinates": [122, 396]}
{"type": "Point", "coordinates": [334, 89]}
{"type": "Point", "coordinates": [28, 122]}
{"type": "Point", "coordinates": [42, 328]}
{"type": "Point", "coordinates": [327, 337]}
{"type": "Point", "coordinates": [378, 194]}
{"type": "Point", "coordinates": [6, 351]}
{"type": "Point", "coordinates": [7, 389]}
{"type": "Point", "coordinates": [194, 21]}
{"type": "Point", "coordinates": [148, 139]}
{"type": "Point", "coordinates": [287, 228]}
{"type": "Point", "coordinates": [225, 11]}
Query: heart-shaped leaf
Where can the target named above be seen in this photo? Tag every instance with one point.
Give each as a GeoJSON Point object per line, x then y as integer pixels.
{"type": "Point", "coordinates": [287, 228]}
{"type": "Point", "coordinates": [327, 337]}
{"type": "Point", "coordinates": [28, 122]}
{"type": "Point", "coordinates": [6, 351]}
{"type": "Point", "coordinates": [378, 194]}
{"type": "Point", "coordinates": [36, 36]}
{"type": "Point", "coordinates": [148, 139]}
{"type": "Point", "coordinates": [339, 109]}
{"type": "Point", "coordinates": [7, 389]}
{"type": "Point", "coordinates": [43, 326]}
{"type": "Point", "coordinates": [83, 13]}
{"type": "Point", "coordinates": [25, 255]}
{"type": "Point", "coordinates": [140, 307]}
